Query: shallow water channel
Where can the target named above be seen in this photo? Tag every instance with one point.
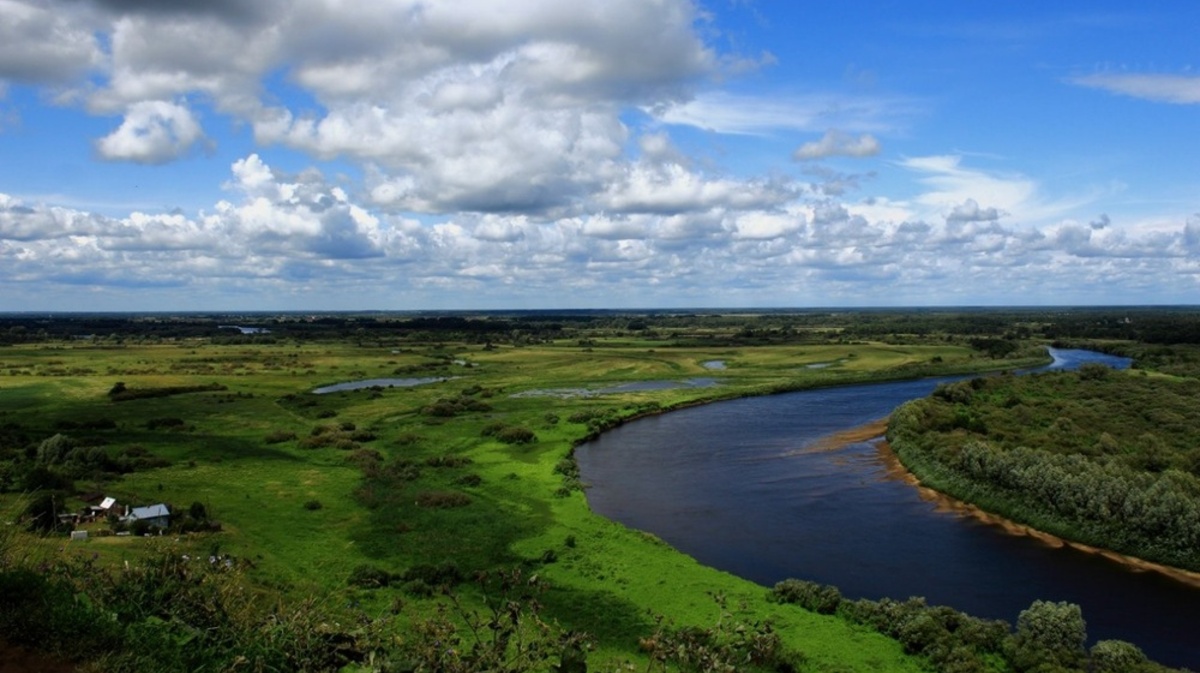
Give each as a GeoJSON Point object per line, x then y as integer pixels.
{"type": "Point", "coordinates": [746, 486]}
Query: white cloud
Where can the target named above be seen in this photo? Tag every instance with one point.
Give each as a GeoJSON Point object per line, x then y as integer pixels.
{"type": "Point", "coordinates": [761, 226]}
{"type": "Point", "coordinates": [671, 188]}
{"type": "Point", "coordinates": [300, 235]}
{"type": "Point", "coordinates": [952, 187]}
{"type": "Point", "coordinates": [969, 211]}
{"type": "Point", "coordinates": [1178, 89]}
{"type": "Point", "coordinates": [835, 143]}
{"type": "Point", "coordinates": [153, 132]}
{"type": "Point", "coordinates": [760, 115]}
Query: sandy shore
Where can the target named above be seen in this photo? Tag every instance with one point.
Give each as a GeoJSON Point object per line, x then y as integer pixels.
{"type": "Point", "coordinates": [945, 503]}
{"type": "Point", "coordinates": [840, 439]}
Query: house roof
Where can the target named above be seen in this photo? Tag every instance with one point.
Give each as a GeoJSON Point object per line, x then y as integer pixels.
{"type": "Point", "coordinates": [108, 503]}
{"type": "Point", "coordinates": [151, 512]}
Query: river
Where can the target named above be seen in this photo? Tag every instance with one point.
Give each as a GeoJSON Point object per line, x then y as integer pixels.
{"type": "Point", "coordinates": [748, 486]}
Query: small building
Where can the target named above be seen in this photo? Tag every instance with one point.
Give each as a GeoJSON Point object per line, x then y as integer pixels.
{"type": "Point", "coordinates": [102, 510]}
{"type": "Point", "coordinates": [157, 516]}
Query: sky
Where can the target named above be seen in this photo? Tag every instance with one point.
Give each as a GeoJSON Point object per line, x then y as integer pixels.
{"type": "Point", "coordinates": [227, 155]}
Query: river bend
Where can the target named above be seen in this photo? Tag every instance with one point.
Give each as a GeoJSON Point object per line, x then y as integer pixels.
{"type": "Point", "coordinates": [746, 486]}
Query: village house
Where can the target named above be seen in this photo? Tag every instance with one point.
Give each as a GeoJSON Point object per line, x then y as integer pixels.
{"type": "Point", "coordinates": [157, 516]}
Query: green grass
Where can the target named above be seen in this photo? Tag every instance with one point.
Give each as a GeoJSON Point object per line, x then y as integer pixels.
{"type": "Point", "coordinates": [612, 583]}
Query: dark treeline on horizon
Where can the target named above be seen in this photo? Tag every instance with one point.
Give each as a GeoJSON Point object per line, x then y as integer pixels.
{"type": "Point", "coordinates": [1150, 325]}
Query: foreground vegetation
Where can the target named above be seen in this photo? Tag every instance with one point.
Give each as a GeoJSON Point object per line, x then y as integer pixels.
{"type": "Point", "coordinates": [434, 527]}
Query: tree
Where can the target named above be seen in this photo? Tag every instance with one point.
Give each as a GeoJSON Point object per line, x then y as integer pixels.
{"type": "Point", "coordinates": [1116, 656]}
{"type": "Point", "coordinates": [43, 510]}
{"type": "Point", "coordinates": [54, 450]}
{"type": "Point", "coordinates": [1049, 633]}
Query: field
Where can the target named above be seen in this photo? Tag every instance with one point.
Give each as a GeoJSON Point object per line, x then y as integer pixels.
{"type": "Point", "coordinates": [471, 472]}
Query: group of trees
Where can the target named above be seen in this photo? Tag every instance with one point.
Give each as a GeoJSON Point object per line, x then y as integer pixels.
{"type": "Point", "coordinates": [1096, 456]}
{"type": "Point", "coordinates": [1050, 637]}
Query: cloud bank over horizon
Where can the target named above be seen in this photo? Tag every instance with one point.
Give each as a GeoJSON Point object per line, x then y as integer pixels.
{"type": "Point", "coordinates": [403, 154]}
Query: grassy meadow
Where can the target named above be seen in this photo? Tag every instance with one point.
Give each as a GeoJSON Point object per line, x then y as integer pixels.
{"type": "Point", "coordinates": [473, 470]}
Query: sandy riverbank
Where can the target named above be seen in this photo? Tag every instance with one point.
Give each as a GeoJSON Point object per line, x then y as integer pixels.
{"type": "Point", "coordinates": [945, 503]}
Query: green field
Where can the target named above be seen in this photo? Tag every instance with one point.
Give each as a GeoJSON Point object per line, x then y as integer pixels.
{"type": "Point", "coordinates": [472, 472]}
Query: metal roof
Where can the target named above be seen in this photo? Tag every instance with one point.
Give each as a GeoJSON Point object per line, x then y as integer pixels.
{"type": "Point", "coordinates": [151, 512]}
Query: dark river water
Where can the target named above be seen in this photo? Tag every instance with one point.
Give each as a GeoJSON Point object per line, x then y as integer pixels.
{"type": "Point", "coordinates": [734, 485]}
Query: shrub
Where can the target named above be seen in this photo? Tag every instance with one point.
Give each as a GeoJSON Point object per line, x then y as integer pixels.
{"type": "Point", "coordinates": [279, 436]}
{"type": "Point", "coordinates": [408, 439]}
{"type": "Point", "coordinates": [369, 577]}
{"type": "Point", "coordinates": [442, 499]}
{"type": "Point", "coordinates": [811, 596]}
{"type": "Point", "coordinates": [1116, 656]}
{"type": "Point", "coordinates": [313, 505]}
{"type": "Point", "coordinates": [516, 434]}
{"type": "Point", "coordinates": [584, 416]}
{"type": "Point", "coordinates": [448, 460]}
{"type": "Point", "coordinates": [446, 573]}
{"type": "Point", "coordinates": [469, 480]}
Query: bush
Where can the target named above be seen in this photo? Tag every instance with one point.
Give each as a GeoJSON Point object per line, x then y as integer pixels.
{"type": "Point", "coordinates": [516, 434]}
{"type": "Point", "coordinates": [808, 595]}
{"type": "Point", "coordinates": [368, 576]}
{"type": "Point", "coordinates": [442, 499]}
{"type": "Point", "coordinates": [584, 416]}
{"type": "Point", "coordinates": [448, 460]}
{"type": "Point", "coordinates": [1116, 656]}
{"type": "Point", "coordinates": [313, 505]}
{"type": "Point", "coordinates": [469, 480]}
{"type": "Point", "coordinates": [279, 436]}
{"type": "Point", "coordinates": [446, 573]}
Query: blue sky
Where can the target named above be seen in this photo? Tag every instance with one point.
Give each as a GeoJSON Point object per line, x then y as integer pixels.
{"type": "Point", "coordinates": [396, 154]}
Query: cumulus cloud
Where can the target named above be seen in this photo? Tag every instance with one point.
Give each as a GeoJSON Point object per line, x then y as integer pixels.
{"type": "Point", "coordinates": [836, 143]}
{"type": "Point", "coordinates": [301, 233]}
{"type": "Point", "coordinates": [41, 43]}
{"type": "Point", "coordinates": [506, 126]}
{"type": "Point", "coordinates": [153, 132]}
{"type": "Point", "coordinates": [1177, 89]}
{"type": "Point", "coordinates": [671, 188]}
{"type": "Point", "coordinates": [969, 211]}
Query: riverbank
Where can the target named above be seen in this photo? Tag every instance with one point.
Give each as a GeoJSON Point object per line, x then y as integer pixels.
{"type": "Point", "coordinates": [945, 503]}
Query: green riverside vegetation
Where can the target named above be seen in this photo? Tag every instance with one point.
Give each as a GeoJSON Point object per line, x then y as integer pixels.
{"type": "Point", "coordinates": [1097, 456]}
{"type": "Point", "coordinates": [436, 527]}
